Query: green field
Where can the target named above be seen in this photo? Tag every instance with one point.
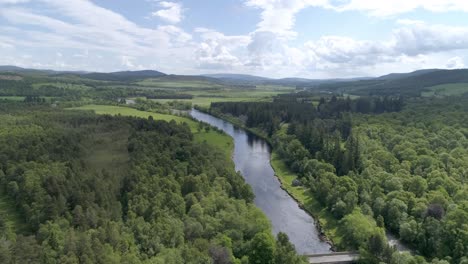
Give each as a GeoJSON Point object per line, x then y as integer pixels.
{"type": "Point", "coordinates": [212, 137]}
{"type": "Point", "coordinates": [205, 92]}
{"type": "Point", "coordinates": [267, 91]}
{"type": "Point", "coordinates": [126, 111]}
{"type": "Point", "coordinates": [206, 101]}
{"type": "Point", "coordinates": [181, 84]}
{"type": "Point", "coordinates": [206, 97]}
{"type": "Point", "coordinates": [12, 98]}
{"type": "Point", "coordinates": [451, 89]}
{"type": "Point", "coordinates": [68, 86]}
{"type": "Point", "coordinates": [21, 98]}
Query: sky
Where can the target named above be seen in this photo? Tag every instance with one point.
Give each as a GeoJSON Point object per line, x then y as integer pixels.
{"type": "Point", "coordinates": [271, 38]}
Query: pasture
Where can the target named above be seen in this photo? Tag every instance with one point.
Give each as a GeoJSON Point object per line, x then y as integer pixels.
{"type": "Point", "coordinates": [210, 136]}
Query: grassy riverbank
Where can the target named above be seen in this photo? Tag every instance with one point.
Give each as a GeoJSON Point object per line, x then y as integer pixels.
{"type": "Point", "coordinates": [328, 225]}
{"type": "Point", "coordinates": [325, 221]}
{"type": "Point", "coordinates": [218, 139]}
{"type": "Point", "coordinates": [238, 123]}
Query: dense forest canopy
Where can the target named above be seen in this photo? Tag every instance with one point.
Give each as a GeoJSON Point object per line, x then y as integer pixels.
{"type": "Point", "coordinates": [82, 188]}
{"type": "Point", "coordinates": [382, 165]}
{"type": "Point", "coordinates": [409, 84]}
{"type": "Point", "coordinates": [102, 189]}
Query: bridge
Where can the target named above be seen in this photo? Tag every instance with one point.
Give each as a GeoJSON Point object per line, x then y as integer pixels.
{"type": "Point", "coordinates": [334, 258]}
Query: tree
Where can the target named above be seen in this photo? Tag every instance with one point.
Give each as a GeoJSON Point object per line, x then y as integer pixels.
{"type": "Point", "coordinates": [285, 252]}
{"type": "Point", "coordinates": [396, 212]}
{"type": "Point", "coordinates": [376, 250]}
{"type": "Point", "coordinates": [357, 229]}
{"type": "Point", "coordinates": [417, 185]}
{"type": "Point", "coordinates": [409, 231]}
{"type": "Point", "coordinates": [262, 249]}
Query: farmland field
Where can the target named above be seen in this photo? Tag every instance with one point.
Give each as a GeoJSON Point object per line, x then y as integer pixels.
{"type": "Point", "coordinates": [126, 111]}
{"type": "Point", "coordinates": [179, 84]}
{"type": "Point", "coordinates": [12, 98]}
{"type": "Point", "coordinates": [220, 140]}
{"type": "Point", "coordinates": [206, 101]}
{"type": "Point", "coordinates": [206, 97]}
{"type": "Point", "coordinates": [64, 85]}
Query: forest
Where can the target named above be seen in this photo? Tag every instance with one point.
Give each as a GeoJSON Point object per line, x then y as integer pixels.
{"type": "Point", "coordinates": [90, 188]}
{"type": "Point", "coordinates": [377, 164]}
{"type": "Point", "coordinates": [77, 187]}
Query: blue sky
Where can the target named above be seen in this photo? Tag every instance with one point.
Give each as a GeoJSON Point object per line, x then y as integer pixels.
{"type": "Point", "coordinates": [273, 38]}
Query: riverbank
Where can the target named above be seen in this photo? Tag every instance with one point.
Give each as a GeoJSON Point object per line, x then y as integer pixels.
{"type": "Point", "coordinates": [238, 123]}
{"type": "Point", "coordinates": [326, 224]}
{"type": "Point", "coordinates": [253, 160]}
{"type": "Point", "coordinates": [215, 138]}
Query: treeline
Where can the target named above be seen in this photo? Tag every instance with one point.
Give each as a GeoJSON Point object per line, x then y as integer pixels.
{"type": "Point", "coordinates": [403, 171]}
{"type": "Point", "coordinates": [102, 189]}
{"type": "Point", "coordinates": [267, 116]}
{"type": "Point", "coordinates": [75, 91]}
{"type": "Point", "coordinates": [408, 86]}
{"type": "Point", "coordinates": [321, 129]}
{"type": "Point", "coordinates": [171, 96]}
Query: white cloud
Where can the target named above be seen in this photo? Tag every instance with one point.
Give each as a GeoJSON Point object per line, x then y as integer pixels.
{"type": "Point", "coordinates": [409, 22]}
{"type": "Point", "coordinates": [86, 26]}
{"type": "Point", "coordinates": [171, 13]}
{"type": "Point", "coordinates": [218, 51]}
{"type": "Point", "coordinates": [455, 63]}
{"type": "Point", "coordinates": [94, 38]}
{"type": "Point", "coordinates": [278, 16]}
{"type": "Point", "coordinates": [412, 42]}
{"type": "Point", "coordinates": [129, 63]}
{"type": "Point", "coordinates": [425, 39]}
{"type": "Point", "coordinates": [394, 7]}
{"type": "Point", "coordinates": [13, 1]}
{"type": "Point", "coordinates": [412, 46]}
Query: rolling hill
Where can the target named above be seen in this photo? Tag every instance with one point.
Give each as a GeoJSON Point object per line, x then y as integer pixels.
{"type": "Point", "coordinates": [123, 75]}
{"type": "Point", "coordinates": [407, 84]}
{"type": "Point", "coordinates": [411, 84]}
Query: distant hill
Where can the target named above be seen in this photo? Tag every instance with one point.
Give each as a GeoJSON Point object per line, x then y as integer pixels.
{"type": "Point", "coordinates": [236, 77]}
{"type": "Point", "coordinates": [411, 84]}
{"type": "Point", "coordinates": [11, 68]}
{"type": "Point", "coordinates": [257, 80]}
{"type": "Point", "coordinates": [173, 77]}
{"type": "Point", "coordinates": [8, 68]}
{"type": "Point", "coordinates": [408, 84]}
{"type": "Point", "coordinates": [123, 75]}
{"type": "Point", "coordinates": [393, 76]}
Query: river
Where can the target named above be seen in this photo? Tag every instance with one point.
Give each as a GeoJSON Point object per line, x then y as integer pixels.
{"type": "Point", "coordinates": [252, 158]}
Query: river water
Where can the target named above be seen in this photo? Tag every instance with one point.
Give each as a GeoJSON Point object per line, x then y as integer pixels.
{"type": "Point", "coordinates": [252, 159]}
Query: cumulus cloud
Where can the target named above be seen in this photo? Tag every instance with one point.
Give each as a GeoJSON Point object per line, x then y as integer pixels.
{"type": "Point", "coordinates": [218, 51]}
{"type": "Point", "coordinates": [78, 28]}
{"type": "Point", "coordinates": [82, 25]}
{"type": "Point", "coordinates": [278, 16]}
{"type": "Point", "coordinates": [411, 41]}
{"type": "Point", "coordinates": [171, 12]}
{"type": "Point", "coordinates": [13, 1]}
{"type": "Point", "coordinates": [423, 39]}
{"type": "Point", "coordinates": [394, 7]}
{"type": "Point", "coordinates": [455, 63]}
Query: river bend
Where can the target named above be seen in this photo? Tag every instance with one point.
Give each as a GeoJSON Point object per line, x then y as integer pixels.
{"type": "Point", "coordinates": [252, 158]}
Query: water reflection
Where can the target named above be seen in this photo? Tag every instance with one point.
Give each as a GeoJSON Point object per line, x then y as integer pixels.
{"type": "Point", "coordinates": [252, 159]}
